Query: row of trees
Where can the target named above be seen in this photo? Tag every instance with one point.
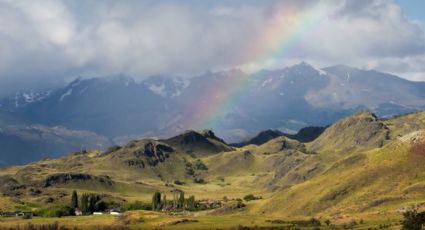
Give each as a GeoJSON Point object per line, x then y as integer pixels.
{"type": "Point", "coordinates": [179, 202]}
{"type": "Point", "coordinates": [89, 203]}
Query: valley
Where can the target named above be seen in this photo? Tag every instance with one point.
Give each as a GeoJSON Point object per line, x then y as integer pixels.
{"type": "Point", "coordinates": [361, 168]}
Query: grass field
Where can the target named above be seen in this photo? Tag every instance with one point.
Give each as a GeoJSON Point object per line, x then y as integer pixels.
{"type": "Point", "coordinates": [204, 220]}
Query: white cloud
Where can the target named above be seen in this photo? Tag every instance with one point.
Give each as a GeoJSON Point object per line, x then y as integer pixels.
{"type": "Point", "coordinates": [61, 39]}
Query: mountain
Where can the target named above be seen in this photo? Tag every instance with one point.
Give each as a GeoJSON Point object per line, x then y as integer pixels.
{"type": "Point", "coordinates": [23, 144]}
{"type": "Point", "coordinates": [383, 174]}
{"type": "Point", "coordinates": [306, 134]}
{"type": "Point", "coordinates": [262, 137]}
{"type": "Point", "coordinates": [362, 166]}
{"type": "Point", "coordinates": [287, 99]}
{"type": "Point", "coordinates": [233, 103]}
{"type": "Point", "coordinates": [126, 106]}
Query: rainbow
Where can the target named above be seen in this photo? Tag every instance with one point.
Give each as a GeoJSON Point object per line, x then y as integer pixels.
{"type": "Point", "coordinates": [278, 42]}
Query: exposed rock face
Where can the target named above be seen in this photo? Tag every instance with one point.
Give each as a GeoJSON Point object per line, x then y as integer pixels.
{"type": "Point", "coordinates": [210, 134]}
{"type": "Point", "coordinates": [204, 142]}
{"type": "Point", "coordinates": [63, 178]}
{"type": "Point", "coordinates": [193, 137]}
{"type": "Point", "coordinates": [153, 154]}
{"type": "Point", "coordinates": [10, 186]}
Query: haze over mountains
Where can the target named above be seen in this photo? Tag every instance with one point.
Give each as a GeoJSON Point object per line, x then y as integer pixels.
{"type": "Point", "coordinates": [117, 109]}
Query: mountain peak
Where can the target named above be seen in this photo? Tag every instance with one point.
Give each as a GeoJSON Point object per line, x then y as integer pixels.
{"type": "Point", "coordinates": [365, 114]}
{"type": "Point", "coordinates": [304, 67]}
{"type": "Point", "coordinates": [204, 142]}
{"type": "Point", "coordinates": [263, 137]}
{"type": "Point", "coordinates": [362, 129]}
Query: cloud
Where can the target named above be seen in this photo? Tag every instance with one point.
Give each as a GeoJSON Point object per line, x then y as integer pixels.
{"type": "Point", "coordinates": [57, 40]}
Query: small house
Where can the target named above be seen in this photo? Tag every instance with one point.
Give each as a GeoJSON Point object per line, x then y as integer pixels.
{"type": "Point", "coordinates": [78, 212]}
{"type": "Point", "coordinates": [26, 214]}
{"type": "Point", "coordinates": [8, 214]}
{"type": "Point", "coordinates": [116, 212]}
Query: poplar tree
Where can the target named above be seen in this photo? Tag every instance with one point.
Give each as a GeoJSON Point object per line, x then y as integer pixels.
{"type": "Point", "coordinates": [156, 201]}
{"type": "Point", "coordinates": [74, 200]}
{"type": "Point", "coordinates": [181, 199]}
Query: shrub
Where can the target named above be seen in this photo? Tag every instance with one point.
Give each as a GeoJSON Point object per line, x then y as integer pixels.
{"type": "Point", "coordinates": [413, 220]}
{"type": "Point", "coordinates": [327, 222]}
{"type": "Point", "coordinates": [56, 211]}
{"type": "Point", "coordinates": [177, 182]}
{"type": "Point", "coordinates": [250, 197]}
{"type": "Point", "coordinates": [199, 165]}
{"type": "Point", "coordinates": [27, 217]}
{"type": "Point", "coordinates": [199, 181]}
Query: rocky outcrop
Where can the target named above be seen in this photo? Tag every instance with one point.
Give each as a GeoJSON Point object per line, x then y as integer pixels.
{"type": "Point", "coordinates": [204, 142]}
{"type": "Point", "coordinates": [11, 187]}
{"type": "Point", "coordinates": [152, 152]}
{"type": "Point", "coordinates": [64, 178]}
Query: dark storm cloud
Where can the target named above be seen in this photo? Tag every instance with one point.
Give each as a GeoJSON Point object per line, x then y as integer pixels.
{"type": "Point", "coordinates": [51, 41]}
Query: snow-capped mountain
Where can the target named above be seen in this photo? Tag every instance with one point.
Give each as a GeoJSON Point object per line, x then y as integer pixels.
{"type": "Point", "coordinates": [167, 87]}
{"type": "Point", "coordinates": [22, 99]}
{"type": "Point", "coordinates": [239, 104]}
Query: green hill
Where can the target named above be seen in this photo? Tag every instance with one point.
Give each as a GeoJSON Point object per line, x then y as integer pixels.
{"type": "Point", "coordinates": [359, 166]}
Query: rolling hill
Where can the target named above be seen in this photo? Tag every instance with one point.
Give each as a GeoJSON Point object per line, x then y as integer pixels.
{"type": "Point", "coordinates": [360, 165]}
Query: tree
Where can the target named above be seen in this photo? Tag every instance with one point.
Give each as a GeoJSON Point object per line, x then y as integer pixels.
{"type": "Point", "coordinates": [413, 220]}
{"type": "Point", "coordinates": [85, 203]}
{"type": "Point", "coordinates": [191, 203]}
{"type": "Point", "coordinates": [181, 199]}
{"type": "Point", "coordinates": [156, 201]}
{"type": "Point", "coordinates": [164, 201]}
{"type": "Point", "coordinates": [101, 206]}
{"type": "Point", "coordinates": [92, 200]}
{"type": "Point", "coordinates": [74, 200]}
{"type": "Point", "coordinates": [327, 222]}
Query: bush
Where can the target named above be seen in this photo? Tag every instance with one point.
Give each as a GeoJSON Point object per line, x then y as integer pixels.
{"type": "Point", "coordinates": [177, 182]}
{"type": "Point", "coordinates": [56, 211]}
{"type": "Point", "coordinates": [27, 217]}
{"type": "Point", "coordinates": [413, 220]}
{"type": "Point", "coordinates": [250, 197]}
{"type": "Point", "coordinates": [137, 205]}
{"type": "Point", "coordinates": [327, 222]}
{"type": "Point", "coordinates": [199, 165]}
{"type": "Point", "coordinates": [199, 181]}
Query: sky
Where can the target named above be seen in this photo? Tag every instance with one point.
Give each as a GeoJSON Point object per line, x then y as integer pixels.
{"type": "Point", "coordinates": [48, 42]}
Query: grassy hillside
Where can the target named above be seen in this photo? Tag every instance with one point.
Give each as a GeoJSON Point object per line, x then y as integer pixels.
{"type": "Point", "coordinates": [360, 166]}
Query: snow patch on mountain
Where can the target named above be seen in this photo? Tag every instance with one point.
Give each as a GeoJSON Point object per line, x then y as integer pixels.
{"type": "Point", "coordinates": [68, 93]}
{"type": "Point", "coordinates": [158, 89]}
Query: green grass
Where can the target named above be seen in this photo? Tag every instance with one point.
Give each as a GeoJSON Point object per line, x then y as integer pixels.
{"type": "Point", "coordinates": [343, 175]}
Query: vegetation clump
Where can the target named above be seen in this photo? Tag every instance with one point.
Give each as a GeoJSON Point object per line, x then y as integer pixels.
{"type": "Point", "coordinates": [177, 182]}
{"type": "Point", "coordinates": [199, 181]}
{"type": "Point", "coordinates": [250, 197]}
{"type": "Point", "coordinates": [413, 220]}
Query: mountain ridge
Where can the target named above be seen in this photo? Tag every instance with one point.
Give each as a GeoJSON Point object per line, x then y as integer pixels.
{"type": "Point", "coordinates": [286, 99]}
